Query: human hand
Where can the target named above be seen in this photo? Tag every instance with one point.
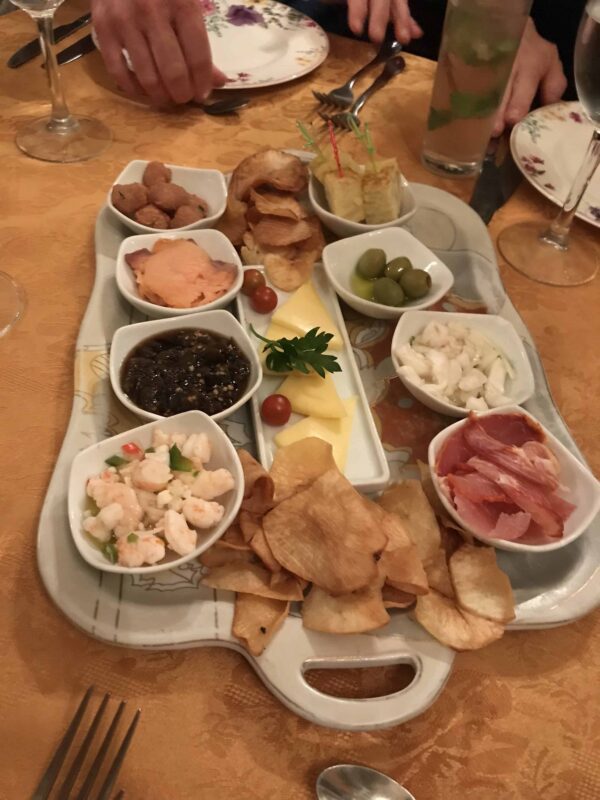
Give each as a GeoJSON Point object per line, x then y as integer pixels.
{"type": "Point", "coordinates": [537, 68]}
{"type": "Point", "coordinates": [380, 13]}
{"type": "Point", "coordinates": [167, 44]}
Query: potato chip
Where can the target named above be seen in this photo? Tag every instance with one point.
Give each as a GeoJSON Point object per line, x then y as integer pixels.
{"type": "Point", "coordinates": [233, 222]}
{"type": "Point", "coordinates": [394, 598]}
{"type": "Point", "coordinates": [255, 536]}
{"type": "Point", "coordinates": [480, 585]}
{"type": "Point", "coordinates": [409, 502]}
{"type": "Point", "coordinates": [438, 575]}
{"type": "Point", "coordinates": [399, 563]}
{"type": "Point", "coordinates": [252, 579]}
{"type": "Point", "coordinates": [258, 485]}
{"type": "Point", "coordinates": [326, 535]}
{"type": "Point", "coordinates": [257, 619]}
{"type": "Point", "coordinates": [288, 274]}
{"type": "Point", "coordinates": [274, 168]}
{"type": "Point", "coordinates": [279, 204]}
{"type": "Point", "coordinates": [233, 538]}
{"type": "Point", "coordinates": [217, 555]}
{"type": "Point", "coordinates": [297, 465]}
{"type": "Point", "coordinates": [279, 232]}
{"type": "Point", "coordinates": [453, 626]}
{"type": "Point", "coordinates": [357, 612]}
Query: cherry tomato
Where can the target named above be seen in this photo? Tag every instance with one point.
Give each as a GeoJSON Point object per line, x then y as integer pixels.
{"type": "Point", "coordinates": [133, 450]}
{"type": "Point", "coordinates": [276, 409]}
{"type": "Point", "coordinates": [263, 299]}
{"type": "Point", "coordinates": [252, 280]}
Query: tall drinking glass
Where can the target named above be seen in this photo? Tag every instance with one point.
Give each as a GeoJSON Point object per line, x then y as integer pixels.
{"type": "Point", "coordinates": [61, 136]}
{"type": "Point", "coordinates": [479, 44]}
{"type": "Point", "coordinates": [546, 253]}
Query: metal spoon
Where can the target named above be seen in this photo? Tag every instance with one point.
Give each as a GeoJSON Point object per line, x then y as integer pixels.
{"type": "Point", "coordinates": [225, 105]}
{"type": "Point", "coordinates": [351, 782]}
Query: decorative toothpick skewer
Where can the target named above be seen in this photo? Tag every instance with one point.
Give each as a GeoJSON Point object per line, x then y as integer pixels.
{"type": "Point", "coordinates": [309, 141]}
{"type": "Point", "coordinates": [364, 137]}
{"type": "Point", "coordinates": [334, 147]}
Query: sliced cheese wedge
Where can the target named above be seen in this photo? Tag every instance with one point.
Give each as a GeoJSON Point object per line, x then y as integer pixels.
{"type": "Point", "coordinates": [335, 431]}
{"type": "Point", "coordinates": [305, 310]}
{"type": "Point", "coordinates": [312, 395]}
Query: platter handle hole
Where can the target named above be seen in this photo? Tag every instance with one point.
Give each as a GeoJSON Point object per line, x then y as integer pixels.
{"type": "Point", "coordinates": [361, 683]}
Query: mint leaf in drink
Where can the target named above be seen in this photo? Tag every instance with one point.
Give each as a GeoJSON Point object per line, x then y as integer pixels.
{"type": "Point", "coordinates": [466, 105]}
{"type": "Point", "coordinates": [438, 117]}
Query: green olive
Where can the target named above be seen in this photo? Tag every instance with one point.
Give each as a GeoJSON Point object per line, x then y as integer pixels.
{"type": "Point", "coordinates": [361, 287]}
{"type": "Point", "coordinates": [371, 264]}
{"type": "Point", "coordinates": [387, 292]}
{"type": "Point", "coordinates": [416, 283]}
{"type": "Point", "coordinates": [396, 267]}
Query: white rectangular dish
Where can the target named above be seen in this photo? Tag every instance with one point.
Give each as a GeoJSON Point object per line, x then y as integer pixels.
{"type": "Point", "coordinates": [366, 466]}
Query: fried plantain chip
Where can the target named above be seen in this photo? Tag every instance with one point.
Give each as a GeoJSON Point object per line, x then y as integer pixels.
{"type": "Point", "coordinates": [394, 598]}
{"type": "Point", "coordinates": [357, 612]}
{"type": "Point", "coordinates": [326, 535]}
{"type": "Point", "coordinates": [453, 626]}
{"type": "Point", "coordinates": [480, 585]}
{"type": "Point", "coordinates": [409, 502]}
{"type": "Point", "coordinates": [258, 485]}
{"type": "Point", "coordinates": [279, 232]}
{"type": "Point", "coordinates": [278, 204]}
{"type": "Point", "coordinates": [253, 579]}
{"type": "Point", "coordinates": [297, 465]}
{"type": "Point", "coordinates": [400, 563]}
{"type": "Point", "coordinates": [257, 619]}
{"type": "Point", "coordinates": [438, 575]}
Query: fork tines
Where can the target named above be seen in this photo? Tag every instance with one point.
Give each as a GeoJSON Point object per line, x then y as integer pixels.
{"type": "Point", "coordinates": [45, 786]}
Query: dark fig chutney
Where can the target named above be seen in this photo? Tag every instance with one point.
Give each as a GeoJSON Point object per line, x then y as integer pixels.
{"type": "Point", "coordinates": [184, 370]}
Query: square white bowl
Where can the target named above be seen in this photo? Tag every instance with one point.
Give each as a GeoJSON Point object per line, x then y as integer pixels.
{"type": "Point", "coordinates": [339, 260]}
{"type": "Point", "coordinates": [583, 488]}
{"type": "Point", "coordinates": [498, 330]}
{"type": "Point", "coordinates": [128, 337]}
{"type": "Point", "coordinates": [215, 243]}
{"type": "Point", "coordinates": [345, 227]}
{"type": "Point", "coordinates": [90, 462]}
{"type": "Point", "coordinates": [209, 184]}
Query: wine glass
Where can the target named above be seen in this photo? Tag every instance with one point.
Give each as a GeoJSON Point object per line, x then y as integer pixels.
{"type": "Point", "coordinates": [548, 254]}
{"type": "Point", "coordinates": [61, 136]}
{"type": "Point", "coordinates": [12, 302]}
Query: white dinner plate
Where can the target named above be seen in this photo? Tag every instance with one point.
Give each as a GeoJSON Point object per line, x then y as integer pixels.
{"type": "Point", "coordinates": [549, 146]}
{"type": "Point", "coordinates": [262, 43]}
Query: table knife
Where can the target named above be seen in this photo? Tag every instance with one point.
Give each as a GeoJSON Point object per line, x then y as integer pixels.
{"type": "Point", "coordinates": [32, 49]}
{"type": "Point", "coordinates": [499, 178]}
{"type": "Point", "coordinates": [76, 50]}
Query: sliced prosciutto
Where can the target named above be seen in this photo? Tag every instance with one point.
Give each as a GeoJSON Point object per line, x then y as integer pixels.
{"type": "Point", "coordinates": [502, 478]}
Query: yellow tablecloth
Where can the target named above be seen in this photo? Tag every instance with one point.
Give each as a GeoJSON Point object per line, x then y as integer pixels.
{"type": "Point", "coordinates": [519, 719]}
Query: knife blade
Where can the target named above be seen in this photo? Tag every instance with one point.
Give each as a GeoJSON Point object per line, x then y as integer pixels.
{"type": "Point", "coordinates": [76, 50]}
{"type": "Point", "coordinates": [499, 178]}
{"type": "Point", "coordinates": [32, 49]}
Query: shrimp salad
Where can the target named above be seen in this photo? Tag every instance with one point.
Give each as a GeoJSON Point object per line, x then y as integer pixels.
{"type": "Point", "coordinates": [147, 502]}
{"type": "Point", "coordinates": [458, 365]}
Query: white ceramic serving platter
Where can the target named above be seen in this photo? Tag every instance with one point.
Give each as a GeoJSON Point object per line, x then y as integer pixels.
{"type": "Point", "coordinates": [549, 146]}
{"type": "Point", "coordinates": [366, 467]}
{"type": "Point", "coordinates": [172, 610]}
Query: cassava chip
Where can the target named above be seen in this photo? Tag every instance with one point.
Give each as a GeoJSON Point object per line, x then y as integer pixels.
{"type": "Point", "coordinates": [438, 575]}
{"type": "Point", "coordinates": [255, 536]}
{"type": "Point", "coordinates": [444, 518]}
{"type": "Point", "coordinates": [279, 232]}
{"type": "Point", "coordinates": [408, 501]}
{"type": "Point", "coordinates": [279, 204]}
{"type": "Point", "coordinates": [257, 619]}
{"type": "Point", "coordinates": [297, 465]}
{"type": "Point", "coordinates": [357, 612]}
{"type": "Point", "coordinates": [453, 626]}
{"type": "Point", "coordinates": [233, 538]}
{"type": "Point", "coordinates": [252, 579]}
{"type": "Point", "coordinates": [399, 563]}
{"type": "Point", "coordinates": [326, 535]}
{"type": "Point", "coordinates": [480, 585]}
{"type": "Point", "coordinates": [394, 598]}
{"type": "Point", "coordinates": [258, 485]}
{"type": "Point", "coordinates": [217, 555]}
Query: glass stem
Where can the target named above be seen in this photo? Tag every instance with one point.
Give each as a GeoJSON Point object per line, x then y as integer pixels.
{"type": "Point", "coordinates": [558, 232]}
{"type": "Point", "coordinates": [61, 121]}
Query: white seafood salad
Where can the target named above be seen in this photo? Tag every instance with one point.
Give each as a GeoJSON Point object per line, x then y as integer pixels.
{"type": "Point", "coordinates": [458, 365]}
{"type": "Point", "coordinates": [147, 502]}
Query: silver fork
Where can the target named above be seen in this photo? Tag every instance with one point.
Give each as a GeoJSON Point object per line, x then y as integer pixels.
{"type": "Point", "coordinates": [392, 67]}
{"type": "Point", "coordinates": [342, 97]}
{"type": "Point", "coordinates": [49, 778]}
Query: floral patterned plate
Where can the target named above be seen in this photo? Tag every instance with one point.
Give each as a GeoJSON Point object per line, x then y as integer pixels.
{"type": "Point", "coordinates": [548, 147]}
{"type": "Point", "coordinates": [262, 43]}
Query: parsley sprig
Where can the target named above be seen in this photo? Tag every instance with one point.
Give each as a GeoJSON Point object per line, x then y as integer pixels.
{"type": "Point", "coordinates": [302, 353]}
